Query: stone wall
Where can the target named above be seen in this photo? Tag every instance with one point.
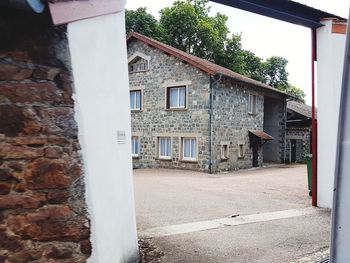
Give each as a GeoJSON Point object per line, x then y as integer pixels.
{"type": "Point", "coordinates": [275, 124]}
{"type": "Point", "coordinates": [155, 120]}
{"type": "Point", "coordinates": [43, 216]}
{"type": "Point", "coordinates": [232, 122]}
{"type": "Point", "coordinates": [303, 143]}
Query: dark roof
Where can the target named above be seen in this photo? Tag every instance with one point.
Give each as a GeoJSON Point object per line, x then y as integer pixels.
{"type": "Point", "coordinates": [300, 108]}
{"type": "Point", "coordinates": [262, 135]}
{"type": "Point", "coordinates": [285, 10]}
{"type": "Point", "coordinates": [202, 64]}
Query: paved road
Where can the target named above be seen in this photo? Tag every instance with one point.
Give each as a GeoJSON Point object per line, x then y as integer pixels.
{"type": "Point", "coordinates": [188, 205]}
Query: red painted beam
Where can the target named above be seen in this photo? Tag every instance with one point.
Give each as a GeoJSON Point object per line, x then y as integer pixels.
{"type": "Point", "coordinates": [314, 121]}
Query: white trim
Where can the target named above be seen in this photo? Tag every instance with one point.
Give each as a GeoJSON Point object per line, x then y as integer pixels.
{"type": "Point", "coordinates": [133, 146]}
{"type": "Point", "coordinates": [159, 148]}
{"type": "Point", "coordinates": [135, 100]}
{"type": "Point", "coordinates": [138, 54]}
{"type": "Point", "coordinates": [167, 84]}
{"type": "Point", "coordinates": [183, 149]}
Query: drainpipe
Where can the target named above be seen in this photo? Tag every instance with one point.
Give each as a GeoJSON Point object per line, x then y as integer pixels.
{"type": "Point", "coordinates": [314, 122]}
{"type": "Point", "coordinates": [285, 132]}
{"type": "Point", "coordinates": [213, 82]}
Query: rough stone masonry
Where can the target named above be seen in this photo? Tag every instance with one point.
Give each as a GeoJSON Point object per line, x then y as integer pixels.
{"type": "Point", "coordinates": [43, 215]}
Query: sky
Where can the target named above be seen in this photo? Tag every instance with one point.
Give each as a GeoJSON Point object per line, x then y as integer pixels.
{"type": "Point", "coordinates": [268, 37]}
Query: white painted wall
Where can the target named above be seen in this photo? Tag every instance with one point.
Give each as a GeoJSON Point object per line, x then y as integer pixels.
{"type": "Point", "coordinates": [99, 62]}
{"type": "Point", "coordinates": [330, 60]}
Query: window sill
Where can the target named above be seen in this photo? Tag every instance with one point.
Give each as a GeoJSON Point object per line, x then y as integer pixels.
{"type": "Point", "coordinates": [252, 114]}
{"type": "Point", "coordinates": [176, 109]}
{"type": "Point", "coordinates": [136, 111]}
{"type": "Point", "coordinates": [189, 161]}
{"type": "Point", "coordinates": [164, 159]}
{"type": "Point", "coordinates": [224, 159]}
{"type": "Point", "coordinates": [136, 157]}
{"type": "Point", "coordinates": [240, 157]}
{"type": "Point", "coordinates": [139, 71]}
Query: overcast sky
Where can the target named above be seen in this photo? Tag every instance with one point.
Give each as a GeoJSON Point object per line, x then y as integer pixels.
{"type": "Point", "coordinates": [268, 37]}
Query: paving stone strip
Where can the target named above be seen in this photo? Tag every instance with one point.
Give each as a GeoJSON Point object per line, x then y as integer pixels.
{"type": "Point", "coordinates": [225, 222]}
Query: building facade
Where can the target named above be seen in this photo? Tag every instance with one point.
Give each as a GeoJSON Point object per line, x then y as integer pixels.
{"type": "Point", "coordinates": [192, 114]}
{"type": "Point", "coordinates": [298, 135]}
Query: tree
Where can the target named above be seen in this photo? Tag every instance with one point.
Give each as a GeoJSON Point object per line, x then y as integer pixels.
{"type": "Point", "coordinates": [142, 22]}
{"type": "Point", "coordinates": [188, 27]}
{"type": "Point", "coordinates": [297, 93]}
{"type": "Point", "coordinates": [275, 72]}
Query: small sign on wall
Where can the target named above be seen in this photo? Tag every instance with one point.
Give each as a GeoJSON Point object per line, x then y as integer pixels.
{"type": "Point", "coordinates": [121, 137]}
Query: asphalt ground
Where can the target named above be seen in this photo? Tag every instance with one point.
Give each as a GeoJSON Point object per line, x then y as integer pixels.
{"type": "Point", "coordinates": [268, 213]}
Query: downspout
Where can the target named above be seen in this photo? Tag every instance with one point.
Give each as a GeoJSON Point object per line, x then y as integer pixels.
{"type": "Point", "coordinates": [314, 122]}
{"type": "Point", "coordinates": [285, 132]}
{"type": "Point", "coordinates": [211, 125]}
{"type": "Point", "coordinates": [211, 133]}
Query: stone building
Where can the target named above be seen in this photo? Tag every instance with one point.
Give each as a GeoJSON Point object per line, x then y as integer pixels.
{"type": "Point", "coordinates": [54, 170]}
{"type": "Point", "coordinates": [190, 113]}
{"type": "Point", "coordinates": [298, 135]}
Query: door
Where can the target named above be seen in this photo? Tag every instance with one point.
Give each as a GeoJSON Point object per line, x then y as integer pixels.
{"type": "Point", "coordinates": [255, 153]}
{"type": "Point", "coordinates": [293, 149]}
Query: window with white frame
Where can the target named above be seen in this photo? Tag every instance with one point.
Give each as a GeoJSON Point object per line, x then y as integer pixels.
{"type": "Point", "coordinates": [224, 152]}
{"type": "Point", "coordinates": [135, 100]}
{"type": "Point", "coordinates": [138, 64]}
{"type": "Point", "coordinates": [135, 146]}
{"type": "Point", "coordinates": [240, 150]}
{"type": "Point", "coordinates": [189, 149]}
{"type": "Point", "coordinates": [164, 144]}
{"type": "Point", "coordinates": [252, 104]}
{"type": "Point", "coordinates": [176, 97]}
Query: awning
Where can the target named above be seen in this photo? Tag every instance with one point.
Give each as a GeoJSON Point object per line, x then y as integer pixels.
{"type": "Point", "coordinates": [262, 135]}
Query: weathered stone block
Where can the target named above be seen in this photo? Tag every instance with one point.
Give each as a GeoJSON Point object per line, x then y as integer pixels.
{"type": "Point", "coordinates": [21, 201]}
{"type": "Point", "coordinates": [11, 119]}
{"type": "Point", "coordinates": [59, 120]}
{"type": "Point", "coordinates": [57, 197]}
{"type": "Point", "coordinates": [6, 175]}
{"type": "Point", "coordinates": [13, 72]}
{"type": "Point", "coordinates": [58, 223]}
{"type": "Point", "coordinates": [5, 188]}
{"type": "Point", "coordinates": [86, 247]}
{"type": "Point", "coordinates": [47, 174]}
{"type": "Point", "coordinates": [8, 151]}
{"type": "Point", "coordinates": [53, 152]}
{"type": "Point", "coordinates": [58, 252]}
{"type": "Point", "coordinates": [11, 243]}
{"type": "Point", "coordinates": [44, 72]}
{"type": "Point", "coordinates": [31, 93]}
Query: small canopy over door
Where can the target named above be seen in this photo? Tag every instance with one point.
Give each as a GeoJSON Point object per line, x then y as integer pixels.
{"type": "Point", "coordinates": [257, 139]}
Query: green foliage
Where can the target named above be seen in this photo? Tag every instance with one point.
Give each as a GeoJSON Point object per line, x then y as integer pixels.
{"type": "Point", "coordinates": [142, 22]}
{"type": "Point", "coordinates": [297, 93]}
{"type": "Point", "coordinates": [188, 26]}
{"type": "Point", "coordinates": [276, 73]}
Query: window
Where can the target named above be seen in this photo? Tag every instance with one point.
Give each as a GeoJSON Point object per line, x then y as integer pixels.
{"type": "Point", "coordinates": [176, 97]}
{"type": "Point", "coordinates": [164, 144]}
{"type": "Point", "coordinates": [252, 104]}
{"type": "Point", "coordinates": [135, 100]}
{"type": "Point", "coordinates": [135, 146]}
{"type": "Point", "coordinates": [240, 151]}
{"type": "Point", "coordinates": [138, 65]}
{"type": "Point", "coordinates": [224, 152]}
{"type": "Point", "coordinates": [189, 149]}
